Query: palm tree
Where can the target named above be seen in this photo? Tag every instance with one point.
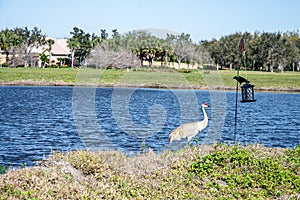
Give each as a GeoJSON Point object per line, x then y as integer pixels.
{"type": "Point", "coordinates": [50, 42]}
{"type": "Point", "coordinates": [73, 44]}
{"type": "Point", "coordinates": [115, 41]}
{"type": "Point", "coordinates": [96, 40]}
{"type": "Point", "coordinates": [104, 34]}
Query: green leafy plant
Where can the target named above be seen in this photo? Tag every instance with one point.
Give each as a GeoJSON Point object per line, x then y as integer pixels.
{"type": "Point", "coordinates": [3, 169]}
{"type": "Point", "coordinates": [240, 168]}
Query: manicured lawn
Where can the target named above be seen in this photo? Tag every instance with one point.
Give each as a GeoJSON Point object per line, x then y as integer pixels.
{"type": "Point", "coordinates": [150, 77]}
{"type": "Point", "coordinates": [37, 74]}
{"type": "Point", "coordinates": [265, 79]}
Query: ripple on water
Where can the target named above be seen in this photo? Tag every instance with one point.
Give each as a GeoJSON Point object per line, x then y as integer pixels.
{"type": "Point", "coordinates": [35, 121]}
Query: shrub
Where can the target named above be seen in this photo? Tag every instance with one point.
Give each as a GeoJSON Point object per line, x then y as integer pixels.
{"type": "Point", "coordinates": [4, 65]}
{"type": "Point", "coordinates": [184, 71]}
{"type": "Point", "coordinates": [3, 169]}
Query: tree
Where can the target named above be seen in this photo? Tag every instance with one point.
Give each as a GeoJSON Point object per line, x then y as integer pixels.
{"type": "Point", "coordinates": [104, 34]}
{"type": "Point", "coordinates": [5, 42]}
{"type": "Point", "coordinates": [50, 42]}
{"type": "Point", "coordinates": [115, 41]}
{"type": "Point", "coordinates": [9, 41]}
{"type": "Point", "coordinates": [104, 56]}
{"type": "Point", "coordinates": [26, 40]}
{"type": "Point", "coordinates": [80, 43]}
{"type": "Point", "coordinates": [32, 39]}
{"type": "Point", "coordinates": [74, 45]}
{"type": "Point", "coordinates": [96, 40]}
{"type": "Point", "coordinates": [182, 46]}
{"type": "Point", "coordinates": [292, 51]}
{"type": "Point", "coordinates": [201, 56]}
{"type": "Point", "coordinates": [44, 58]}
{"type": "Point", "coordinates": [254, 50]}
{"type": "Point", "coordinates": [216, 50]}
{"type": "Point", "coordinates": [143, 44]}
{"type": "Point", "coordinates": [164, 52]}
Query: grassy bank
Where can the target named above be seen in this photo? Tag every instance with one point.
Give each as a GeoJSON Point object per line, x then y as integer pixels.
{"type": "Point", "coordinates": [201, 172]}
{"type": "Point", "coordinates": [147, 78]}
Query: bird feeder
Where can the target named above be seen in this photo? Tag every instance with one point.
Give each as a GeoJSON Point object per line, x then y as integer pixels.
{"type": "Point", "coordinates": [247, 93]}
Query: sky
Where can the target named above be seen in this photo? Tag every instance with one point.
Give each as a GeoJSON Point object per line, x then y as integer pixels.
{"type": "Point", "coordinates": [202, 19]}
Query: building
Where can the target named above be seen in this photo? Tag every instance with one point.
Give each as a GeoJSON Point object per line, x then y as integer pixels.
{"type": "Point", "coordinates": [59, 50]}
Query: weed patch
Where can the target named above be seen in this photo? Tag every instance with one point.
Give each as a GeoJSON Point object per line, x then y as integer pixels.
{"type": "Point", "coordinates": [239, 168]}
{"type": "Point", "coordinates": [198, 172]}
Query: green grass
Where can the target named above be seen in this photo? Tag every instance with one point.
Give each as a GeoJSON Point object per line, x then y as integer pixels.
{"type": "Point", "coordinates": [199, 172]}
{"type": "Point", "coordinates": [148, 78]}
{"type": "Point", "coordinates": [265, 79]}
{"type": "Point", "coordinates": [38, 74]}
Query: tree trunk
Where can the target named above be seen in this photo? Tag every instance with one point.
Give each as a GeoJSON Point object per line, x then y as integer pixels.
{"type": "Point", "coordinates": [281, 68]}
{"type": "Point", "coordinates": [179, 62]}
{"type": "Point", "coordinates": [14, 57]}
{"type": "Point", "coordinates": [49, 57]}
{"type": "Point", "coordinates": [7, 59]}
{"type": "Point", "coordinates": [166, 63]}
{"type": "Point", "coordinates": [272, 68]}
{"type": "Point", "coordinates": [72, 59]}
{"type": "Point", "coordinates": [293, 66]}
{"type": "Point", "coordinates": [150, 60]}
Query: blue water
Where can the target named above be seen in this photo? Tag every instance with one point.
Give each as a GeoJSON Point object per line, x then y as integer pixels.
{"type": "Point", "coordinates": [35, 121]}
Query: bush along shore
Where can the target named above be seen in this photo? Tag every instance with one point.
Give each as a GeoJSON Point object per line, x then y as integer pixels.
{"type": "Point", "coordinates": [200, 172]}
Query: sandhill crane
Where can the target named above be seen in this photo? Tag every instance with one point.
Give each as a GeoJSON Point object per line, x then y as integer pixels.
{"type": "Point", "coordinates": [191, 129]}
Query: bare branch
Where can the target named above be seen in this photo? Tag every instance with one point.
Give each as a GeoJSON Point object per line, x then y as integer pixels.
{"type": "Point", "coordinates": [103, 56]}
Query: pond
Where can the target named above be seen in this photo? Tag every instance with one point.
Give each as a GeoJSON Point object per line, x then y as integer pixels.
{"type": "Point", "coordinates": [35, 121]}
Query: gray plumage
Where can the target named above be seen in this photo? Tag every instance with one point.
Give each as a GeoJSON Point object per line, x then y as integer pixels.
{"type": "Point", "coordinates": [190, 130]}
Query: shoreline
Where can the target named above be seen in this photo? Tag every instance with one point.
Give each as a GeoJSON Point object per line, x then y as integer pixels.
{"type": "Point", "coordinates": [157, 86]}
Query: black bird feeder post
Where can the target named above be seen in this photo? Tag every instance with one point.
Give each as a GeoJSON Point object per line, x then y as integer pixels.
{"type": "Point", "coordinates": [247, 89]}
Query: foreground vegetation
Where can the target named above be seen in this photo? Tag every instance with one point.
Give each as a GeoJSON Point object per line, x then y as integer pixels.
{"type": "Point", "coordinates": [200, 172]}
{"type": "Point", "coordinates": [149, 77]}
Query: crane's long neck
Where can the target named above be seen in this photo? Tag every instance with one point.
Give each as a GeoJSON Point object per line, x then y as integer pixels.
{"type": "Point", "coordinates": [202, 124]}
{"type": "Point", "coordinates": [204, 113]}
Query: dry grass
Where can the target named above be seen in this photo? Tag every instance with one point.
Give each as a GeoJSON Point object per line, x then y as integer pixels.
{"type": "Point", "coordinates": [170, 175]}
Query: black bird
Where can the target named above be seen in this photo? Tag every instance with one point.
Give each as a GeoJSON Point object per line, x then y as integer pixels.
{"type": "Point", "coordinates": [241, 79]}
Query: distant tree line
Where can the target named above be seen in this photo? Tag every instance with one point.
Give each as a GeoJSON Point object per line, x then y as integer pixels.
{"type": "Point", "coordinates": [264, 51]}
{"type": "Point", "coordinates": [101, 51]}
